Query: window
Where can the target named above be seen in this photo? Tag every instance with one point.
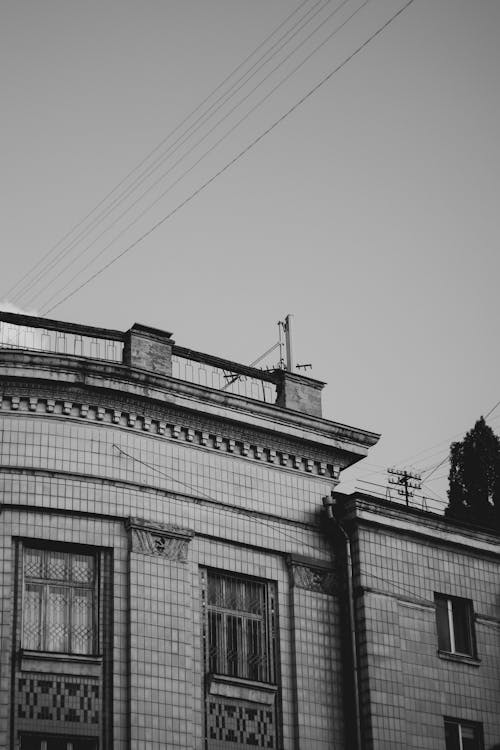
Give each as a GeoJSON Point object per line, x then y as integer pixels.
{"type": "Point", "coordinates": [454, 618]}
{"type": "Point", "coordinates": [239, 628]}
{"type": "Point", "coordinates": [463, 735]}
{"type": "Point", "coordinates": [43, 742]}
{"type": "Point", "coordinates": [59, 602]}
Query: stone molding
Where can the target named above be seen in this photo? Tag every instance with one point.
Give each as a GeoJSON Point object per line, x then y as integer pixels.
{"type": "Point", "coordinates": [85, 410]}
{"type": "Point", "coordinates": [312, 575]}
{"type": "Point", "coordinates": [159, 539]}
{"type": "Point", "coordinates": [239, 689]}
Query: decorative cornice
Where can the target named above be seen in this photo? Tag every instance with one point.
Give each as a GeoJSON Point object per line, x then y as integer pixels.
{"type": "Point", "coordinates": [159, 539]}
{"type": "Point", "coordinates": [113, 380]}
{"type": "Point", "coordinates": [312, 575]}
{"type": "Point", "coordinates": [367, 510]}
{"type": "Point", "coordinates": [89, 412]}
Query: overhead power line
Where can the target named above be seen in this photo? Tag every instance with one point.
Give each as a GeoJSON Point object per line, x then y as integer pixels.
{"type": "Point", "coordinates": [428, 453]}
{"type": "Point", "coordinates": [214, 146]}
{"type": "Point", "coordinates": [171, 151]}
{"type": "Point", "coordinates": [438, 478]}
{"type": "Point", "coordinates": [236, 158]}
{"type": "Point", "coordinates": [492, 410]}
{"type": "Point", "coordinates": [434, 493]}
{"type": "Point", "coordinates": [160, 145]}
{"type": "Point", "coordinates": [274, 524]}
{"type": "Point", "coordinates": [448, 455]}
{"type": "Point", "coordinates": [202, 139]}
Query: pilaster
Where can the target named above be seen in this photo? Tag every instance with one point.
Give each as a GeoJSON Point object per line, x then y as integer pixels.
{"type": "Point", "coordinates": [161, 678]}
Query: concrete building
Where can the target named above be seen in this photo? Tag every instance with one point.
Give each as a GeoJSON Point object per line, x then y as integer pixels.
{"type": "Point", "coordinates": [178, 570]}
{"type": "Point", "coordinates": [167, 578]}
{"type": "Point", "coordinates": [426, 597]}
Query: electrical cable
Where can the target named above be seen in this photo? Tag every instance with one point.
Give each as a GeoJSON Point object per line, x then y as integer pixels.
{"type": "Point", "coordinates": [385, 489]}
{"type": "Point", "coordinates": [491, 410]}
{"type": "Point", "coordinates": [413, 459]}
{"type": "Point", "coordinates": [438, 497]}
{"type": "Point", "coordinates": [236, 158]}
{"type": "Point", "coordinates": [274, 527]}
{"type": "Point", "coordinates": [199, 142]}
{"type": "Point", "coordinates": [173, 148]}
{"type": "Point", "coordinates": [446, 442]}
{"type": "Point", "coordinates": [436, 479]}
{"type": "Point", "coordinates": [436, 467]}
{"type": "Point", "coordinates": [448, 455]}
{"type": "Point", "coordinates": [202, 496]}
{"type": "Point", "coordinates": [161, 144]}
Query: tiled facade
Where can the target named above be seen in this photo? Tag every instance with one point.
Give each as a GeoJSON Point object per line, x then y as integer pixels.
{"type": "Point", "coordinates": [170, 579]}
{"type": "Point", "coordinates": [163, 486]}
{"type": "Point", "coordinates": [410, 683]}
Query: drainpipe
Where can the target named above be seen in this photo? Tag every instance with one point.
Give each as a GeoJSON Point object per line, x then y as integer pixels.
{"type": "Point", "coordinates": [329, 503]}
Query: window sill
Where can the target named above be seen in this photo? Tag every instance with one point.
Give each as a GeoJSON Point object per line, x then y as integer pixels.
{"type": "Point", "coordinates": [460, 658]}
{"type": "Point", "coordinates": [55, 663]}
{"type": "Point", "coordinates": [235, 687]}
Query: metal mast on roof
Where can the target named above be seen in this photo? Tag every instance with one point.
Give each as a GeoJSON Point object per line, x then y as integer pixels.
{"type": "Point", "coordinates": [286, 356]}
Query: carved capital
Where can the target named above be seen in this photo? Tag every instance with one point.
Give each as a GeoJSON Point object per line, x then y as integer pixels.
{"type": "Point", "coordinates": [312, 575]}
{"type": "Point", "coordinates": [159, 539]}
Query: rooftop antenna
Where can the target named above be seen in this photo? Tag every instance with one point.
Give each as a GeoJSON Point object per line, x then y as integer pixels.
{"type": "Point", "coordinates": [286, 346]}
{"type": "Point", "coordinates": [288, 341]}
{"type": "Point", "coordinates": [281, 344]}
{"type": "Point", "coordinates": [286, 356]}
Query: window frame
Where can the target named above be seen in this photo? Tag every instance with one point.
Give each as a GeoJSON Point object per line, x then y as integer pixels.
{"type": "Point", "coordinates": [459, 611]}
{"type": "Point", "coordinates": [461, 724]}
{"type": "Point", "coordinates": [267, 632]}
{"type": "Point", "coordinates": [42, 739]}
{"type": "Point", "coordinates": [46, 584]}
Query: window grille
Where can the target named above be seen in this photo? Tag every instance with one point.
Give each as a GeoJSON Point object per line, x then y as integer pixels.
{"type": "Point", "coordinates": [59, 599]}
{"type": "Point", "coordinates": [240, 627]}
{"type": "Point", "coordinates": [455, 625]}
{"type": "Point", "coordinates": [463, 735]}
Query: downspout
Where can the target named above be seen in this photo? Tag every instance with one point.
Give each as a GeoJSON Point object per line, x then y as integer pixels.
{"type": "Point", "coordinates": [329, 503]}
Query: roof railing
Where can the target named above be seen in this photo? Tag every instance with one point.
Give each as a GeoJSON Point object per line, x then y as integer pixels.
{"type": "Point", "coordinates": [154, 351]}
{"type": "Point", "coordinates": [28, 332]}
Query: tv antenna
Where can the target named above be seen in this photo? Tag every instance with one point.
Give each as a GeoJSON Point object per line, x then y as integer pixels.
{"type": "Point", "coordinates": [285, 343]}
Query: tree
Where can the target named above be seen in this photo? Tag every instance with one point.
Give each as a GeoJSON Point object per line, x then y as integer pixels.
{"type": "Point", "coordinates": [474, 478]}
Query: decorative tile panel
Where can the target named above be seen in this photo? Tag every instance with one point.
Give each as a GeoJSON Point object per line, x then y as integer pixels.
{"type": "Point", "coordinates": [58, 699]}
{"type": "Point", "coordinates": [233, 724]}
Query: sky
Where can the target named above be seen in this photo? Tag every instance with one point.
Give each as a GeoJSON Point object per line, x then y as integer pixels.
{"type": "Point", "coordinates": [370, 212]}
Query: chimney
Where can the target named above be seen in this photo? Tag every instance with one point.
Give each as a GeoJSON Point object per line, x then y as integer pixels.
{"type": "Point", "coordinates": [148, 349]}
{"type": "Point", "coordinates": [299, 393]}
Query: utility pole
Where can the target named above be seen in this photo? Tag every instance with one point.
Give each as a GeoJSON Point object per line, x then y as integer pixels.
{"type": "Point", "coordinates": [407, 482]}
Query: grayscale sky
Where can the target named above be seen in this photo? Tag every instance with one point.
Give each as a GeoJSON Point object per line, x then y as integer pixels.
{"type": "Point", "coordinates": [370, 213]}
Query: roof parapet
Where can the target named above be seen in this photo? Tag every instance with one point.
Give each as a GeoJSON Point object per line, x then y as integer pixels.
{"type": "Point", "coordinates": [154, 351]}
